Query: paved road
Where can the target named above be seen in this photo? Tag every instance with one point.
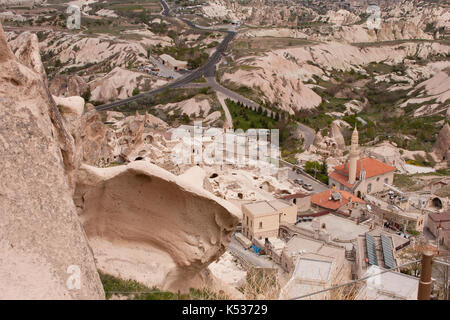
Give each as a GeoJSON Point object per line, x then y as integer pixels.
{"type": "Point", "coordinates": [166, 9]}
{"type": "Point", "coordinates": [229, 119]}
{"type": "Point", "coordinates": [211, 80]}
{"type": "Point", "coordinates": [208, 69]}
{"type": "Point", "coordinates": [250, 257]}
{"type": "Point", "coordinates": [308, 134]}
{"type": "Point", "coordinates": [317, 187]}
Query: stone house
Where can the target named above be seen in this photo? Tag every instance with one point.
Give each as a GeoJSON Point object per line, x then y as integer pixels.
{"type": "Point", "coordinates": [261, 219]}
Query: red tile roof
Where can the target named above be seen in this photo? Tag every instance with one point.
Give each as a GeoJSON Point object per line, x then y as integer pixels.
{"type": "Point", "coordinates": [323, 199]}
{"type": "Point", "coordinates": [372, 166]}
{"type": "Point", "coordinates": [439, 217]}
{"type": "Point", "coordinates": [340, 178]}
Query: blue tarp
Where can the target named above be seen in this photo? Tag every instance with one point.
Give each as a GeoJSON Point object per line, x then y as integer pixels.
{"type": "Point", "coordinates": [256, 249]}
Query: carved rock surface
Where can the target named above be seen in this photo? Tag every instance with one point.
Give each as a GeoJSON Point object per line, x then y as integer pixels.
{"type": "Point", "coordinates": [41, 236]}
{"type": "Point", "coordinates": [147, 224]}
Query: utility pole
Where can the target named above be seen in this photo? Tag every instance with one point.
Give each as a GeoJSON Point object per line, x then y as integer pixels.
{"type": "Point", "coordinates": [425, 276]}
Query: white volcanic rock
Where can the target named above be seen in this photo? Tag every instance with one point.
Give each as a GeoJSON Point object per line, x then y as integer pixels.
{"type": "Point", "coordinates": [67, 85]}
{"type": "Point", "coordinates": [442, 145]}
{"type": "Point", "coordinates": [276, 32]}
{"type": "Point", "coordinates": [191, 107]}
{"type": "Point", "coordinates": [147, 224]}
{"type": "Point", "coordinates": [340, 17]}
{"type": "Point", "coordinates": [288, 91]}
{"type": "Point", "coordinates": [21, 2]}
{"type": "Point", "coordinates": [278, 75]}
{"type": "Point", "coordinates": [106, 13]}
{"type": "Point", "coordinates": [8, 15]}
{"type": "Point", "coordinates": [118, 84]}
{"type": "Point", "coordinates": [438, 86]}
{"type": "Point", "coordinates": [42, 242]}
{"type": "Point", "coordinates": [218, 9]}
{"type": "Point", "coordinates": [73, 104]}
{"type": "Point", "coordinates": [389, 154]}
{"type": "Point", "coordinates": [27, 51]}
{"type": "Point", "coordinates": [336, 134]}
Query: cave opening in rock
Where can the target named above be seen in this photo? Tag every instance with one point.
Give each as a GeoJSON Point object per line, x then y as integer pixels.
{"type": "Point", "coordinates": [437, 203]}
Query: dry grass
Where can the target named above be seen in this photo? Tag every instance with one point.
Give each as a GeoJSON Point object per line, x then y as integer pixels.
{"type": "Point", "coordinates": [261, 284]}
{"type": "Point", "coordinates": [345, 293]}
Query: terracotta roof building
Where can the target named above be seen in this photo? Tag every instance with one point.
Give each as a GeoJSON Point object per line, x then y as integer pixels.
{"type": "Point", "coordinates": [339, 201]}
{"type": "Point", "coordinates": [361, 176]}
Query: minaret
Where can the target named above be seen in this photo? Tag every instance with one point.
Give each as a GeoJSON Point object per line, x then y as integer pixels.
{"type": "Point", "coordinates": [353, 158]}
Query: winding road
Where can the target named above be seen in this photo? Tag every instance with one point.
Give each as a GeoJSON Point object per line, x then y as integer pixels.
{"type": "Point", "coordinates": [208, 69]}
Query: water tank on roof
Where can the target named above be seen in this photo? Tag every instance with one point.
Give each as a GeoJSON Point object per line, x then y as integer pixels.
{"type": "Point", "coordinates": [336, 196]}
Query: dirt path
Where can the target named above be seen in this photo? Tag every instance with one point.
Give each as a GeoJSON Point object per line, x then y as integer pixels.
{"type": "Point", "coordinates": [229, 120]}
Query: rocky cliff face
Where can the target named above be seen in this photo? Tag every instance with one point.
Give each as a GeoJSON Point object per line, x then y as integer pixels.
{"type": "Point", "coordinates": [442, 145]}
{"type": "Point", "coordinates": [42, 240]}
{"type": "Point", "coordinates": [68, 86]}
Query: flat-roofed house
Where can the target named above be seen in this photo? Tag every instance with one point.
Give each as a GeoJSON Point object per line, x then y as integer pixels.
{"type": "Point", "coordinates": [261, 219]}
{"type": "Point", "coordinates": [303, 201]}
{"type": "Point", "coordinates": [438, 221]}
{"type": "Point", "coordinates": [388, 286]}
{"type": "Point", "coordinates": [313, 266]}
{"type": "Point", "coordinates": [342, 202]}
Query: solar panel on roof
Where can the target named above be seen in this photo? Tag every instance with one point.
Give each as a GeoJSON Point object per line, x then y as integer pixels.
{"type": "Point", "coordinates": [388, 256]}
{"type": "Point", "coordinates": [371, 250]}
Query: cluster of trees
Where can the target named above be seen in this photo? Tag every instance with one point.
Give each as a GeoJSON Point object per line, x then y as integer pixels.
{"type": "Point", "coordinates": [317, 170]}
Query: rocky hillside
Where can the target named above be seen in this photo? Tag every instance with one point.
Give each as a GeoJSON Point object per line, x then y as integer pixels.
{"type": "Point", "coordinates": [279, 76]}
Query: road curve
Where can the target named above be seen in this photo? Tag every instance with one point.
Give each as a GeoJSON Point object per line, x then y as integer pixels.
{"type": "Point", "coordinates": [207, 69]}
{"type": "Point", "coordinates": [308, 134]}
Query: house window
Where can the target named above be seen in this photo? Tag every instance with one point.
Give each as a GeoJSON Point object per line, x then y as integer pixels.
{"type": "Point", "coordinates": [247, 220]}
{"type": "Point", "coordinates": [260, 225]}
{"type": "Point", "coordinates": [386, 180]}
{"type": "Point", "coordinates": [369, 188]}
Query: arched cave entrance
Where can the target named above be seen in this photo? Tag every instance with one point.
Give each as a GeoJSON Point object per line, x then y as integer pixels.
{"type": "Point", "coordinates": [437, 203]}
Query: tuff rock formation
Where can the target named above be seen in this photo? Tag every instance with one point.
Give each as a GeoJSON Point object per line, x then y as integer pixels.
{"type": "Point", "coordinates": [336, 134]}
{"type": "Point", "coordinates": [67, 86]}
{"type": "Point", "coordinates": [442, 145]}
{"type": "Point", "coordinates": [147, 224]}
{"type": "Point", "coordinates": [42, 243]}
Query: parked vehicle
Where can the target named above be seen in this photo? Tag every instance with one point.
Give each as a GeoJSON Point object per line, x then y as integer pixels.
{"type": "Point", "coordinates": [308, 186]}
{"type": "Point", "coordinates": [406, 236]}
{"type": "Point", "coordinates": [298, 171]}
{"type": "Point", "coordinates": [299, 181]}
